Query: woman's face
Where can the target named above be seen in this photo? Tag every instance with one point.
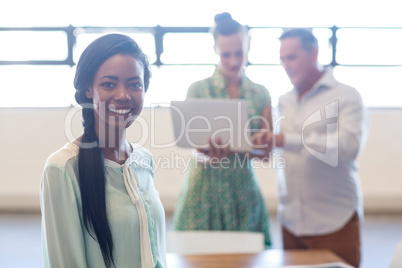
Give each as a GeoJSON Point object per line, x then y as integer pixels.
{"type": "Point", "coordinates": [117, 92]}
{"type": "Point", "coordinates": [232, 51]}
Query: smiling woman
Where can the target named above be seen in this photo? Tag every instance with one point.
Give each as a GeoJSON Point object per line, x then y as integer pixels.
{"type": "Point", "coordinates": [117, 93]}
{"type": "Point", "coordinates": [99, 206]}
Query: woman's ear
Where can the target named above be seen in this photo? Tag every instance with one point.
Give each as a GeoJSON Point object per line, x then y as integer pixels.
{"type": "Point", "coordinates": [89, 93]}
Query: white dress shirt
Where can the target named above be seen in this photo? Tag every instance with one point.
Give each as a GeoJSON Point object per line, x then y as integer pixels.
{"type": "Point", "coordinates": [324, 131]}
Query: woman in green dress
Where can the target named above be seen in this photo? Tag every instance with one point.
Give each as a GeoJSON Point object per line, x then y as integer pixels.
{"type": "Point", "coordinates": [226, 198]}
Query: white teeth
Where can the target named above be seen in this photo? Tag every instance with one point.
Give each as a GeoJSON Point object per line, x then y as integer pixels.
{"type": "Point", "coordinates": [119, 111]}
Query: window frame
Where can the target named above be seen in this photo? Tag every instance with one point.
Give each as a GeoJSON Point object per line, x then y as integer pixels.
{"type": "Point", "coordinates": [159, 32]}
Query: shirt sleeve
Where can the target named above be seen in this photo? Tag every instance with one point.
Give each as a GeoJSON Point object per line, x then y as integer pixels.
{"type": "Point", "coordinates": [343, 140]}
{"type": "Point", "coordinates": [62, 234]}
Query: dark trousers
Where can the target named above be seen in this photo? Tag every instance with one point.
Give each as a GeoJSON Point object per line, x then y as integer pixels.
{"type": "Point", "coordinates": [345, 242]}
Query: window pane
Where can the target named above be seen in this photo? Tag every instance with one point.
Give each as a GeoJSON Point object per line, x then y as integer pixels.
{"type": "Point", "coordinates": [325, 48]}
{"type": "Point", "coordinates": [145, 40]}
{"type": "Point", "coordinates": [379, 86]}
{"type": "Point", "coordinates": [37, 86]}
{"type": "Point", "coordinates": [189, 48]}
{"type": "Point", "coordinates": [33, 45]}
{"type": "Point", "coordinates": [369, 46]}
{"type": "Point", "coordinates": [172, 82]}
{"type": "Point", "coordinates": [264, 46]}
{"type": "Point", "coordinates": [274, 78]}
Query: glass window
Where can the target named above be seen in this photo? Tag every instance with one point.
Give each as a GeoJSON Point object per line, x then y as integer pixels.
{"type": "Point", "coordinates": [379, 86]}
{"type": "Point", "coordinates": [37, 86]}
{"type": "Point", "coordinates": [264, 46]}
{"type": "Point", "coordinates": [189, 48]}
{"type": "Point", "coordinates": [323, 36]}
{"type": "Point", "coordinates": [171, 82]}
{"type": "Point", "coordinates": [274, 78]}
{"type": "Point", "coordinates": [145, 40]}
{"type": "Point", "coordinates": [189, 57]}
{"type": "Point", "coordinates": [369, 46]}
{"type": "Point", "coordinates": [33, 45]}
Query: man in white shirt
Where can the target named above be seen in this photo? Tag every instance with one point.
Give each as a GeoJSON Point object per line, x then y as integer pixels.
{"type": "Point", "coordinates": [321, 134]}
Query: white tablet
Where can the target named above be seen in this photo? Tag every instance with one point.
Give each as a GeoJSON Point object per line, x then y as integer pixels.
{"type": "Point", "coordinates": [196, 121]}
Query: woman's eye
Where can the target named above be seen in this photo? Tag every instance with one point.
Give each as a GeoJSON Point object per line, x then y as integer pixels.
{"type": "Point", "coordinates": [136, 86]}
{"type": "Point", "coordinates": [107, 85]}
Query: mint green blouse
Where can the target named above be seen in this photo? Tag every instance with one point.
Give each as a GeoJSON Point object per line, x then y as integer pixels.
{"type": "Point", "coordinates": [135, 214]}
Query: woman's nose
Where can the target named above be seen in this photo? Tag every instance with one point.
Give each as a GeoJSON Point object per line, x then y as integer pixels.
{"type": "Point", "coordinates": [122, 93]}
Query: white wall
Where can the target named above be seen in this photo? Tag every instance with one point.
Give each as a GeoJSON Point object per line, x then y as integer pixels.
{"type": "Point", "coordinates": [29, 135]}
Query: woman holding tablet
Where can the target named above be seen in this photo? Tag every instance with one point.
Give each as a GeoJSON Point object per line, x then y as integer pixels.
{"type": "Point", "coordinates": [226, 197]}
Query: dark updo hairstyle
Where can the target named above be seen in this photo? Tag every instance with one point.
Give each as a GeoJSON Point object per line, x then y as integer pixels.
{"type": "Point", "coordinates": [225, 25]}
{"type": "Point", "coordinates": [91, 167]}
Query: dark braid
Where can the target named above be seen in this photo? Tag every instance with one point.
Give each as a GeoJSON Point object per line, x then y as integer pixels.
{"type": "Point", "coordinates": [92, 168]}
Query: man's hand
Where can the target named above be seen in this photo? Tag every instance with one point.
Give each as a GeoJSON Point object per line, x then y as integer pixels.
{"type": "Point", "coordinates": [264, 138]}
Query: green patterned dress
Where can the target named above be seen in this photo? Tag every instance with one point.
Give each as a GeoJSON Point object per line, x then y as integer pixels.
{"type": "Point", "coordinates": [226, 198]}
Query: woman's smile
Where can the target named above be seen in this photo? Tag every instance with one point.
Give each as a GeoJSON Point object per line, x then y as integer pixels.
{"type": "Point", "coordinates": [119, 111]}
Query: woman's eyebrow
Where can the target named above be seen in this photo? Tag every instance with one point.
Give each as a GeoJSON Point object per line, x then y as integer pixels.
{"type": "Point", "coordinates": [110, 77]}
{"type": "Point", "coordinates": [133, 78]}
